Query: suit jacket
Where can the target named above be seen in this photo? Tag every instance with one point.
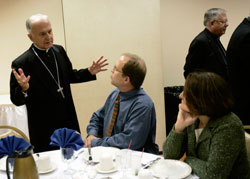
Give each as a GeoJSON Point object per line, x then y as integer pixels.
{"type": "Point", "coordinates": [238, 56]}
{"type": "Point", "coordinates": [47, 110]}
{"type": "Point", "coordinates": [206, 53]}
{"type": "Point", "coordinates": [220, 151]}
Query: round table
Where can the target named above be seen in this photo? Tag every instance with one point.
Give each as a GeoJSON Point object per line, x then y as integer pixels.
{"type": "Point", "coordinates": [13, 115]}
{"type": "Point", "coordinates": [79, 164]}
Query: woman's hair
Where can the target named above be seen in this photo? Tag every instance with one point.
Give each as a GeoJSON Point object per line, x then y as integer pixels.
{"type": "Point", "coordinates": [208, 94]}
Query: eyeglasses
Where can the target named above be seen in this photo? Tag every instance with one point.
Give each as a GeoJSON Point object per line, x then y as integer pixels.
{"type": "Point", "coordinates": [116, 69]}
{"type": "Point", "coordinates": [222, 22]}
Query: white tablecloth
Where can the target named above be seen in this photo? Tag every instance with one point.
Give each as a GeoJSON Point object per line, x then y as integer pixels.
{"type": "Point", "coordinates": [13, 115]}
{"type": "Point", "coordinates": [79, 163]}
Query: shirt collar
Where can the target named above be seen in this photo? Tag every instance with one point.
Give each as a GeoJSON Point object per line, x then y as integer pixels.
{"type": "Point", "coordinates": [133, 92]}
{"type": "Point", "coordinates": [43, 50]}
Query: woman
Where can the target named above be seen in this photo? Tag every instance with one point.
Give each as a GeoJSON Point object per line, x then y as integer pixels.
{"type": "Point", "coordinates": [207, 131]}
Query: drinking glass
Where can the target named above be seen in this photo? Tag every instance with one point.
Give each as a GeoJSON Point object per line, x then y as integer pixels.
{"type": "Point", "coordinates": [136, 162]}
{"type": "Point", "coordinates": [68, 156]}
{"type": "Point", "coordinates": [125, 162]}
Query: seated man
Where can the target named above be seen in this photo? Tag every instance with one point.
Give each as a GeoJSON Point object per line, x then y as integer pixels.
{"type": "Point", "coordinates": [128, 117]}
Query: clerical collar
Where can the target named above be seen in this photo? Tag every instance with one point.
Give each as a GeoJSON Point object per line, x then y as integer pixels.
{"type": "Point", "coordinates": [212, 34]}
{"type": "Point", "coordinates": [45, 50]}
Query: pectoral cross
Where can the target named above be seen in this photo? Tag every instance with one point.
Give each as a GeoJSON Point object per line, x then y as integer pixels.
{"type": "Point", "coordinates": [60, 90]}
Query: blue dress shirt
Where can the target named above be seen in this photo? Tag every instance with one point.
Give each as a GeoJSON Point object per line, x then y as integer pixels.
{"type": "Point", "coordinates": [136, 122]}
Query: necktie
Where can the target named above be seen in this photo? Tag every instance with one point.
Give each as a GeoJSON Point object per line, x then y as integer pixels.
{"type": "Point", "coordinates": [113, 117]}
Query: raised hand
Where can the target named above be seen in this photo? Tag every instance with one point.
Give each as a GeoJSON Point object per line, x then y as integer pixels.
{"type": "Point", "coordinates": [22, 80]}
{"type": "Point", "coordinates": [97, 66]}
{"type": "Point", "coordinates": [184, 119]}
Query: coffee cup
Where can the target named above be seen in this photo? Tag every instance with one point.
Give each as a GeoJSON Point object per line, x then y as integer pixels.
{"type": "Point", "coordinates": [106, 162]}
{"type": "Point", "coordinates": [43, 163]}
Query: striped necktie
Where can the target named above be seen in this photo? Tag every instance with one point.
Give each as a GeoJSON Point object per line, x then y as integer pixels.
{"type": "Point", "coordinates": [113, 117]}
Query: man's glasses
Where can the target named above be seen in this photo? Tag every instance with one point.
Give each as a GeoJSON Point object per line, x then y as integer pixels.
{"type": "Point", "coordinates": [222, 22]}
{"type": "Point", "coordinates": [116, 69]}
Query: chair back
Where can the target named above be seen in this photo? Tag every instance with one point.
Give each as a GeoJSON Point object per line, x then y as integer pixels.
{"type": "Point", "coordinates": [246, 127]}
{"type": "Point", "coordinates": [24, 165]}
{"type": "Point", "coordinates": [13, 132]}
{"type": "Point", "coordinates": [247, 137]}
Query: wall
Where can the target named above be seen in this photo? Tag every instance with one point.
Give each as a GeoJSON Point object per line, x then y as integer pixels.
{"type": "Point", "coordinates": [109, 28]}
{"type": "Point", "coordinates": [181, 21]}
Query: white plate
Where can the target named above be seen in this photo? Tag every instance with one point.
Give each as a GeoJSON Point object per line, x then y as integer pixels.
{"type": "Point", "coordinates": [53, 167]}
{"type": "Point", "coordinates": [99, 170]}
{"type": "Point", "coordinates": [96, 152]}
{"type": "Point", "coordinates": [170, 169]}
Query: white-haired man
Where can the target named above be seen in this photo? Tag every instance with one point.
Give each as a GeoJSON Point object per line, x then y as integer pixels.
{"type": "Point", "coordinates": [206, 52]}
{"type": "Point", "coordinates": [41, 79]}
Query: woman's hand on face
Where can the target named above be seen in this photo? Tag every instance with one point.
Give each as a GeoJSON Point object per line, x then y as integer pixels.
{"type": "Point", "coordinates": [184, 119]}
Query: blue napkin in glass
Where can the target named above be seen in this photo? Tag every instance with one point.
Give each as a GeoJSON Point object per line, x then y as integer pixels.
{"type": "Point", "coordinates": [10, 144]}
{"type": "Point", "coordinates": [67, 138]}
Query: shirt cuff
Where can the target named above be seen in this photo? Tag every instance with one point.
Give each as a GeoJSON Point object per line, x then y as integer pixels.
{"type": "Point", "coordinates": [94, 142]}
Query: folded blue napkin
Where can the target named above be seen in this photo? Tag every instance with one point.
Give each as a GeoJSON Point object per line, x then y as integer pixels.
{"type": "Point", "coordinates": [10, 144]}
{"type": "Point", "coordinates": [67, 138]}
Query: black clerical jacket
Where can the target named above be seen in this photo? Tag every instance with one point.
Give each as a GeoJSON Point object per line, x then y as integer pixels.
{"type": "Point", "coordinates": [206, 53]}
{"type": "Point", "coordinates": [47, 109]}
{"type": "Point", "coordinates": [238, 56]}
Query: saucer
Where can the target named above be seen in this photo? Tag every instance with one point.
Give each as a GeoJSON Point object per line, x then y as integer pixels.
{"type": "Point", "coordinates": [49, 170]}
{"type": "Point", "coordinates": [99, 170]}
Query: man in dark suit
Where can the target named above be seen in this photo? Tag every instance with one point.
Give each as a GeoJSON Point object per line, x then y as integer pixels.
{"type": "Point", "coordinates": [238, 56]}
{"type": "Point", "coordinates": [206, 53]}
{"type": "Point", "coordinates": [41, 79]}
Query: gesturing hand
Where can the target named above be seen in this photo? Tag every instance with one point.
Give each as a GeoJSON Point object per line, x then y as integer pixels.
{"type": "Point", "coordinates": [97, 66]}
{"type": "Point", "coordinates": [22, 80]}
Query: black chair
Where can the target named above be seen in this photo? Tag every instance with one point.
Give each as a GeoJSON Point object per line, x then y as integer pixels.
{"type": "Point", "coordinates": [171, 95]}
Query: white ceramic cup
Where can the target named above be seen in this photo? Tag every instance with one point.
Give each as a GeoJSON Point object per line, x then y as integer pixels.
{"type": "Point", "coordinates": [106, 161]}
{"type": "Point", "coordinates": [43, 163]}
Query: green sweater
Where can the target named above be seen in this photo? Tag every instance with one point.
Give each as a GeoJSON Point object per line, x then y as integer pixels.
{"type": "Point", "coordinates": [219, 153]}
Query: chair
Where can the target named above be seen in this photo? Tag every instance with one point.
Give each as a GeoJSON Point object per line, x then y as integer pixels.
{"type": "Point", "coordinates": [13, 132]}
{"type": "Point", "coordinates": [246, 126]}
{"type": "Point", "coordinates": [247, 137]}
